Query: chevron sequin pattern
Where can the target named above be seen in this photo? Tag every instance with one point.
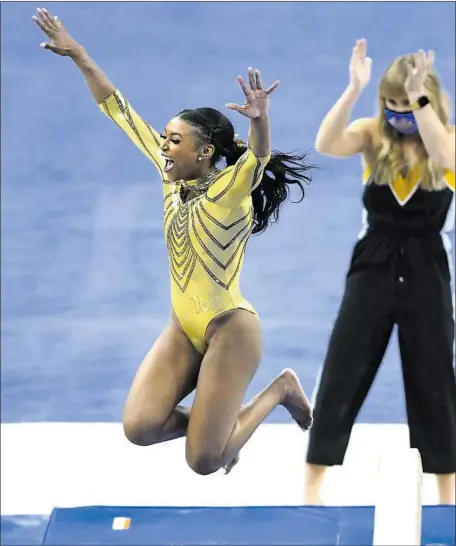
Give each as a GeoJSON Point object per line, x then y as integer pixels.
{"type": "Point", "coordinates": [194, 235]}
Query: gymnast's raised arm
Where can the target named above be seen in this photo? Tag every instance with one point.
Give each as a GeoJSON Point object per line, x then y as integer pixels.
{"type": "Point", "coordinates": [110, 100]}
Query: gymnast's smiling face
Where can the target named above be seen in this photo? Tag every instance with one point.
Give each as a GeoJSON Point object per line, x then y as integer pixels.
{"type": "Point", "coordinates": [186, 158]}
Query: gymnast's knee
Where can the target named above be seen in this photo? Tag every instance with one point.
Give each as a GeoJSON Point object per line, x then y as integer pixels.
{"type": "Point", "coordinates": [141, 431]}
{"type": "Point", "coordinates": [202, 462]}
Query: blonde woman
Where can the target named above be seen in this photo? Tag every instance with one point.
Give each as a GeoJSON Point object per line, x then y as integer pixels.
{"type": "Point", "coordinates": [399, 272]}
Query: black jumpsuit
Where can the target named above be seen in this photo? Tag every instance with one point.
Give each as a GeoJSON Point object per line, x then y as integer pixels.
{"type": "Point", "coordinates": [399, 274]}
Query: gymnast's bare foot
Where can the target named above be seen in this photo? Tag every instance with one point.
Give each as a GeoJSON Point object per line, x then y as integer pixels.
{"type": "Point", "coordinates": [295, 400]}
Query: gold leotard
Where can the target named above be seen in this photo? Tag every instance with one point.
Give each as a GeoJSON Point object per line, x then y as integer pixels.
{"type": "Point", "coordinates": [206, 236]}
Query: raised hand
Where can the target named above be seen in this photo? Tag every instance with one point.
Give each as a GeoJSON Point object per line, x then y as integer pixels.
{"type": "Point", "coordinates": [256, 98]}
{"type": "Point", "coordinates": [360, 66]}
{"type": "Point", "coordinates": [417, 75]}
{"type": "Point", "coordinates": [61, 43]}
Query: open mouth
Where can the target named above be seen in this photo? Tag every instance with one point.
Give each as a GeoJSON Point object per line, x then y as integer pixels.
{"type": "Point", "coordinates": [169, 164]}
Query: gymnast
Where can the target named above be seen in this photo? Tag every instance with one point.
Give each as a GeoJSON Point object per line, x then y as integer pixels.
{"type": "Point", "coordinates": [213, 341]}
{"type": "Point", "coordinates": [399, 272]}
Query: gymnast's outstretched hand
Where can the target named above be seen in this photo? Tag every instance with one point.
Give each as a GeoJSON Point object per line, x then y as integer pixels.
{"type": "Point", "coordinates": [256, 98]}
{"type": "Point", "coordinates": [60, 41]}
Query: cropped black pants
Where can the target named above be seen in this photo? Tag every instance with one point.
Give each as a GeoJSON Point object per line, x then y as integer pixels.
{"type": "Point", "coordinates": [398, 280]}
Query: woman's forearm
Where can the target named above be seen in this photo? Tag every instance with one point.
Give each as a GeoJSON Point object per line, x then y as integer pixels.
{"type": "Point", "coordinates": [439, 143]}
{"type": "Point", "coordinates": [99, 84]}
{"type": "Point", "coordinates": [336, 120]}
{"type": "Point", "coordinates": [260, 136]}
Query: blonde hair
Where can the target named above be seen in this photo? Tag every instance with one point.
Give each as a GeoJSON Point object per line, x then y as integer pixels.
{"type": "Point", "coordinates": [388, 151]}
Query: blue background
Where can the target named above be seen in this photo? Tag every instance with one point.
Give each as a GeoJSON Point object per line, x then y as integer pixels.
{"type": "Point", "coordinates": [85, 288]}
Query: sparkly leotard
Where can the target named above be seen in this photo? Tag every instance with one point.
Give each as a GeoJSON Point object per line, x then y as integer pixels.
{"type": "Point", "coordinates": [206, 236]}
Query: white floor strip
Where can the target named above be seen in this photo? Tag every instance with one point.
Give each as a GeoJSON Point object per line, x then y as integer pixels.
{"type": "Point", "coordinates": [72, 464]}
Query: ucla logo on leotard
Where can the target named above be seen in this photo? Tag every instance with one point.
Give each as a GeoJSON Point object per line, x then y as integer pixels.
{"type": "Point", "coordinates": [201, 306]}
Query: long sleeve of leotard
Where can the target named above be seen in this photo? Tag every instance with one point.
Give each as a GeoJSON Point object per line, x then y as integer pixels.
{"type": "Point", "coordinates": [117, 108]}
{"type": "Point", "coordinates": [237, 182]}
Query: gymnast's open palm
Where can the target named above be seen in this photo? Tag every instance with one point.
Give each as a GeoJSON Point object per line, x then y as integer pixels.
{"type": "Point", "coordinates": [256, 98]}
{"type": "Point", "coordinates": [60, 42]}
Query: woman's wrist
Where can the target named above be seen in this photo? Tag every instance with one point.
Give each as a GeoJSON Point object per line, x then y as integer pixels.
{"type": "Point", "coordinates": [77, 52]}
{"type": "Point", "coordinates": [415, 95]}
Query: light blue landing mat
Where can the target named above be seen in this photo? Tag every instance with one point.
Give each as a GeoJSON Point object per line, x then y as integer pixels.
{"type": "Point", "coordinates": [247, 526]}
{"type": "Point", "coordinates": [23, 530]}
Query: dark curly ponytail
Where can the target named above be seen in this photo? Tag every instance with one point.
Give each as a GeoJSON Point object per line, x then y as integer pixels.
{"type": "Point", "coordinates": [281, 173]}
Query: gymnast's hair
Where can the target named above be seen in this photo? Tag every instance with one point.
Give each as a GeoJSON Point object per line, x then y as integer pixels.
{"type": "Point", "coordinates": [282, 172]}
{"type": "Point", "coordinates": [389, 159]}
